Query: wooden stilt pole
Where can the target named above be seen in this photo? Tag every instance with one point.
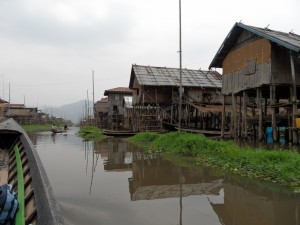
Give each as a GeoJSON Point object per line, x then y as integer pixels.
{"type": "Point", "coordinates": [223, 118]}
{"type": "Point", "coordinates": [295, 133]}
{"type": "Point", "coordinates": [233, 116]}
{"type": "Point", "coordinates": [239, 118]}
{"type": "Point", "coordinates": [245, 130]}
{"type": "Point", "coordinates": [273, 110]}
{"type": "Point", "coordinates": [260, 116]}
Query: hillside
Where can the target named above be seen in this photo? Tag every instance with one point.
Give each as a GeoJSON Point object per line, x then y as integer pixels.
{"type": "Point", "coordinates": [73, 111]}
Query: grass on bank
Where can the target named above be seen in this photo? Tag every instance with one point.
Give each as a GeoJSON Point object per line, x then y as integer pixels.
{"type": "Point", "coordinates": [91, 133]}
{"type": "Point", "coordinates": [36, 127]}
{"type": "Point", "coordinates": [278, 166]}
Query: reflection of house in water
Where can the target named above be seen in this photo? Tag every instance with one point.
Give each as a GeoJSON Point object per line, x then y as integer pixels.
{"type": "Point", "coordinates": [155, 178]}
{"type": "Point", "coordinates": [117, 154]}
{"type": "Point", "coordinates": [245, 206]}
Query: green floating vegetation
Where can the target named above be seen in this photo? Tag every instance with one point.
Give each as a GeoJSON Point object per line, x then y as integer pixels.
{"type": "Point", "coordinates": [91, 133]}
{"type": "Point", "coordinates": [36, 127]}
{"type": "Point", "coordinates": [278, 166]}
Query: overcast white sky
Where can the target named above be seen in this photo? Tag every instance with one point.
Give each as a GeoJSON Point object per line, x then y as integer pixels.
{"type": "Point", "coordinates": [49, 48]}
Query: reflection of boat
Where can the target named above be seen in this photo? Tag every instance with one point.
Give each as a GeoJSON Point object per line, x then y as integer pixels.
{"type": "Point", "coordinates": [24, 170]}
{"type": "Point", "coordinates": [119, 133]}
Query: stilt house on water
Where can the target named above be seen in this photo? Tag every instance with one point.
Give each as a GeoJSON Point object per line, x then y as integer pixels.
{"type": "Point", "coordinates": [261, 76]}
{"type": "Point", "coordinates": [156, 94]}
{"type": "Point", "coordinates": [116, 111]}
{"type": "Point", "coordinates": [101, 112]}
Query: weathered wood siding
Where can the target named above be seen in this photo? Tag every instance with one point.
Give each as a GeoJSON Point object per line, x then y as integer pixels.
{"type": "Point", "coordinates": [281, 66]}
{"type": "Point", "coordinates": [150, 94]}
{"type": "Point", "coordinates": [207, 95]}
{"type": "Point", "coordinates": [235, 76]}
{"type": "Point", "coordinates": [158, 95]}
{"type": "Point", "coordinates": [136, 92]}
{"type": "Point", "coordinates": [236, 59]}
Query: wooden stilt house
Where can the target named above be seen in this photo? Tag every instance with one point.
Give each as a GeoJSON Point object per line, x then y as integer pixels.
{"type": "Point", "coordinates": [261, 76]}
{"type": "Point", "coordinates": [101, 112]}
{"type": "Point", "coordinates": [155, 98]}
{"type": "Point", "coordinates": [116, 110]}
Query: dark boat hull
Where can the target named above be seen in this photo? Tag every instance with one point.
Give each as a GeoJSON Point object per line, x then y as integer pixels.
{"type": "Point", "coordinates": [169, 126]}
{"type": "Point", "coordinates": [118, 133]}
{"type": "Point", "coordinates": [25, 171]}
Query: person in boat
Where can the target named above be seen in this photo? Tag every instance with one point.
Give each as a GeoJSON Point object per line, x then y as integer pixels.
{"type": "Point", "coordinates": [65, 127]}
{"type": "Point", "coordinates": [54, 127]}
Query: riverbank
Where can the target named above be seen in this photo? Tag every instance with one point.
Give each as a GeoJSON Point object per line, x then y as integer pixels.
{"type": "Point", "coordinates": [91, 133]}
{"type": "Point", "coordinates": [36, 127]}
{"type": "Point", "coordinates": [277, 166]}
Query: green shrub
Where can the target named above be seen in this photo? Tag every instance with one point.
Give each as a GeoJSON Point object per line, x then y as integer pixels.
{"type": "Point", "coordinates": [91, 133]}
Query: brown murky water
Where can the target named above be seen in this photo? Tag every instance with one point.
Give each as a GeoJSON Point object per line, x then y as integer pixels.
{"type": "Point", "coordinates": [113, 183]}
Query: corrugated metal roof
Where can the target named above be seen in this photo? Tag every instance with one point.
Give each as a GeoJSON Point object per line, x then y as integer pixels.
{"type": "Point", "coordinates": [163, 76]}
{"type": "Point", "coordinates": [118, 90]}
{"type": "Point", "coordinates": [19, 112]}
{"type": "Point", "coordinates": [3, 101]}
{"type": "Point", "coordinates": [288, 40]}
{"type": "Point", "coordinates": [15, 106]}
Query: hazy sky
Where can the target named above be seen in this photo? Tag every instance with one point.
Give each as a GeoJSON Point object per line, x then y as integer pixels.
{"type": "Point", "coordinates": [49, 48]}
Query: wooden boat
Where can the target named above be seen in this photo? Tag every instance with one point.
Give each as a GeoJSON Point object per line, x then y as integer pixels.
{"type": "Point", "coordinates": [57, 131]}
{"type": "Point", "coordinates": [119, 133]}
{"type": "Point", "coordinates": [170, 126]}
{"type": "Point", "coordinates": [37, 205]}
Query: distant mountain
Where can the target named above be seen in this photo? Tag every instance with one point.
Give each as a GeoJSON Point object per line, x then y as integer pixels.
{"type": "Point", "coordinates": [74, 111]}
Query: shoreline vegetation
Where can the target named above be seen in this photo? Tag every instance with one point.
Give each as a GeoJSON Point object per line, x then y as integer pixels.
{"type": "Point", "coordinates": [36, 127]}
{"type": "Point", "coordinates": [91, 133]}
{"type": "Point", "coordinates": [276, 166]}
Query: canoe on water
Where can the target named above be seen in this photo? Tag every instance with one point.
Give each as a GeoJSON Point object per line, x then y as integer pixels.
{"type": "Point", "coordinates": [57, 131]}
{"type": "Point", "coordinates": [119, 133]}
{"type": "Point", "coordinates": [23, 169]}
